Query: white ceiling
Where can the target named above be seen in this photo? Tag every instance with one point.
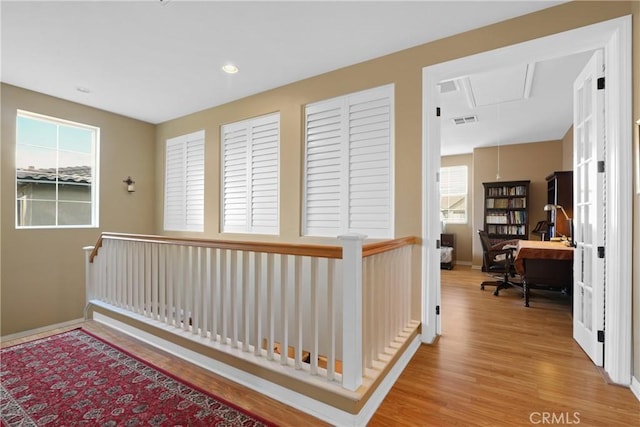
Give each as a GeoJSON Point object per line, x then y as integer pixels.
{"type": "Point", "coordinates": [156, 61]}
{"type": "Point", "coordinates": [515, 105]}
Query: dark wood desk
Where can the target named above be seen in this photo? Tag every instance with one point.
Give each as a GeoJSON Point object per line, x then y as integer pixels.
{"type": "Point", "coordinates": [544, 265]}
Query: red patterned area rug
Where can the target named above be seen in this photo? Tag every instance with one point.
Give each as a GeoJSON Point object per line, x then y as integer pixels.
{"type": "Point", "coordinates": [76, 378]}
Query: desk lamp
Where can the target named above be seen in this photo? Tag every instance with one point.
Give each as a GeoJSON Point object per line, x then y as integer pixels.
{"type": "Point", "coordinates": [551, 207]}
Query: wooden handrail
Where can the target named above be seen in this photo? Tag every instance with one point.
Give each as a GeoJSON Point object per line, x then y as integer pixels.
{"type": "Point", "coordinates": [320, 251]}
{"type": "Point", "coordinates": [387, 245]}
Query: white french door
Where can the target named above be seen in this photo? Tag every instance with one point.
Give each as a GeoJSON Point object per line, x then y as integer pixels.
{"type": "Point", "coordinates": [589, 208]}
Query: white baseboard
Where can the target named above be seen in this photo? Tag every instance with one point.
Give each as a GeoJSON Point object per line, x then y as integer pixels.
{"type": "Point", "coordinates": [635, 387]}
{"type": "Point", "coordinates": [289, 397]}
{"type": "Point", "coordinates": [47, 328]}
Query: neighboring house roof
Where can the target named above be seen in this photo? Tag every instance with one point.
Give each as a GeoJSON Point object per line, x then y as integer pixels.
{"type": "Point", "coordinates": [79, 174]}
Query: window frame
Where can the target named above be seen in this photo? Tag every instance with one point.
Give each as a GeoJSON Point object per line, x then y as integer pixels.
{"type": "Point", "coordinates": [95, 172]}
{"type": "Point", "coordinates": [465, 194]}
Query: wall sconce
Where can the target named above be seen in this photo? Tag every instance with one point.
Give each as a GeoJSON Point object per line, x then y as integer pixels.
{"type": "Point", "coordinates": [130, 184]}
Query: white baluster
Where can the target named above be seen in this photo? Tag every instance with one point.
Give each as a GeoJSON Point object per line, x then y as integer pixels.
{"type": "Point", "coordinates": [257, 306]}
{"type": "Point", "coordinates": [215, 293]}
{"type": "Point", "coordinates": [297, 283]}
{"type": "Point", "coordinates": [162, 283]}
{"type": "Point", "coordinates": [203, 301]}
{"type": "Point", "coordinates": [224, 291]}
{"type": "Point", "coordinates": [314, 316]}
{"type": "Point", "coordinates": [207, 298]}
{"type": "Point", "coordinates": [234, 298]}
{"type": "Point", "coordinates": [331, 312]}
{"type": "Point", "coordinates": [270, 307]}
{"type": "Point", "coordinates": [284, 308]}
{"type": "Point", "coordinates": [89, 275]}
{"type": "Point", "coordinates": [245, 301]}
{"type": "Point", "coordinates": [195, 290]}
{"type": "Point", "coordinates": [171, 283]}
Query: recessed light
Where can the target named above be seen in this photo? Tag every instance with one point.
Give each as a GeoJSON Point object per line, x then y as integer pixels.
{"type": "Point", "coordinates": [230, 69]}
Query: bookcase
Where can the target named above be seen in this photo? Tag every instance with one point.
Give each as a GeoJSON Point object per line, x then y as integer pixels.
{"type": "Point", "coordinates": [506, 210]}
{"type": "Point", "coordinates": [560, 192]}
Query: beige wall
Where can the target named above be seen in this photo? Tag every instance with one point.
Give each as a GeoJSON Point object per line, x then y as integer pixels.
{"type": "Point", "coordinates": [463, 232]}
{"type": "Point", "coordinates": [567, 150]}
{"type": "Point", "coordinates": [43, 269]}
{"type": "Point", "coordinates": [515, 164]}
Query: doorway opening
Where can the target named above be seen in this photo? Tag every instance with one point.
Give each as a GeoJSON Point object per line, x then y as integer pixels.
{"type": "Point", "coordinates": [614, 37]}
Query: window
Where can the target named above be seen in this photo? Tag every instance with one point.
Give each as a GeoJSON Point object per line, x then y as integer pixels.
{"type": "Point", "coordinates": [56, 172]}
{"type": "Point", "coordinates": [250, 175]}
{"type": "Point", "coordinates": [349, 165]}
{"type": "Point", "coordinates": [453, 194]}
{"type": "Point", "coordinates": [184, 183]}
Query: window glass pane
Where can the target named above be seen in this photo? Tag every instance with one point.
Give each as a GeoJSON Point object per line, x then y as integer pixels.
{"type": "Point", "coordinates": [40, 133]}
{"type": "Point", "coordinates": [453, 194]}
{"type": "Point", "coordinates": [74, 139]}
{"type": "Point", "coordinates": [37, 190]}
{"type": "Point", "coordinates": [32, 158]}
{"type": "Point", "coordinates": [70, 159]}
{"type": "Point", "coordinates": [36, 213]}
{"type": "Point", "coordinates": [74, 213]}
{"type": "Point", "coordinates": [74, 192]}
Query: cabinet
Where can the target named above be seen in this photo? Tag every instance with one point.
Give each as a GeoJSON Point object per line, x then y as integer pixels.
{"type": "Point", "coordinates": [560, 192]}
{"type": "Point", "coordinates": [506, 210]}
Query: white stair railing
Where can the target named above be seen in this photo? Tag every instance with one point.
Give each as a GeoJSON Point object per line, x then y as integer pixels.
{"type": "Point", "coordinates": [285, 304]}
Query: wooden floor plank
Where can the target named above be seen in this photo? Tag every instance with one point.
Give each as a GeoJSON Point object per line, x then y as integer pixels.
{"type": "Point", "coordinates": [497, 363]}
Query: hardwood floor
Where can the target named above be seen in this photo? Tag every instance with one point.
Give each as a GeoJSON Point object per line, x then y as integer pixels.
{"type": "Point", "coordinates": [496, 363]}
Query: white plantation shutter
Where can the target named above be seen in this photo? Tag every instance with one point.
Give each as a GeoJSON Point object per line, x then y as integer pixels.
{"type": "Point", "coordinates": [263, 208]}
{"type": "Point", "coordinates": [250, 175]}
{"type": "Point", "coordinates": [324, 167]}
{"type": "Point", "coordinates": [370, 163]}
{"type": "Point", "coordinates": [234, 178]}
{"type": "Point", "coordinates": [184, 183]}
{"type": "Point", "coordinates": [348, 165]}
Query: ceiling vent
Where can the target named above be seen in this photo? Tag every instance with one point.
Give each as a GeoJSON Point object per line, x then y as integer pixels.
{"type": "Point", "coordinates": [465, 120]}
{"type": "Point", "coordinates": [448, 86]}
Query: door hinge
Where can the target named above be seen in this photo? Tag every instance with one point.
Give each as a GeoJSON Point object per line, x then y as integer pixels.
{"type": "Point", "coordinates": [438, 243]}
{"type": "Point", "coordinates": [600, 83]}
{"type": "Point", "coordinates": [600, 251]}
{"type": "Point", "coordinates": [437, 310]}
{"type": "Point", "coordinates": [601, 336]}
{"type": "Point", "coordinates": [438, 112]}
{"type": "Point", "coordinates": [600, 166]}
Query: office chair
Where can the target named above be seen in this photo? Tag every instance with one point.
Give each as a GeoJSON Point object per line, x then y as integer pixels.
{"type": "Point", "coordinates": [498, 261]}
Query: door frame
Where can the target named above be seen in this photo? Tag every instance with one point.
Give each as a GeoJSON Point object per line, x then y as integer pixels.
{"type": "Point", "coordinates": [614, 36]}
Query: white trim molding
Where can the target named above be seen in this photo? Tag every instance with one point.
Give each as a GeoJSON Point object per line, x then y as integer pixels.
{"type": "Point", "coordinates": [19, 335]}
{"type": "Point", "coordinates": [619, 206]}
{"type": "Point", "coordinates": [635, 387]}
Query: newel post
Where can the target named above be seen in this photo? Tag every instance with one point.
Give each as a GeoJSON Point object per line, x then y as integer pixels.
{"type": "Point", "coordinates": [89, 288]}
{"type": "Point", "coordinates": [352, 310]}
